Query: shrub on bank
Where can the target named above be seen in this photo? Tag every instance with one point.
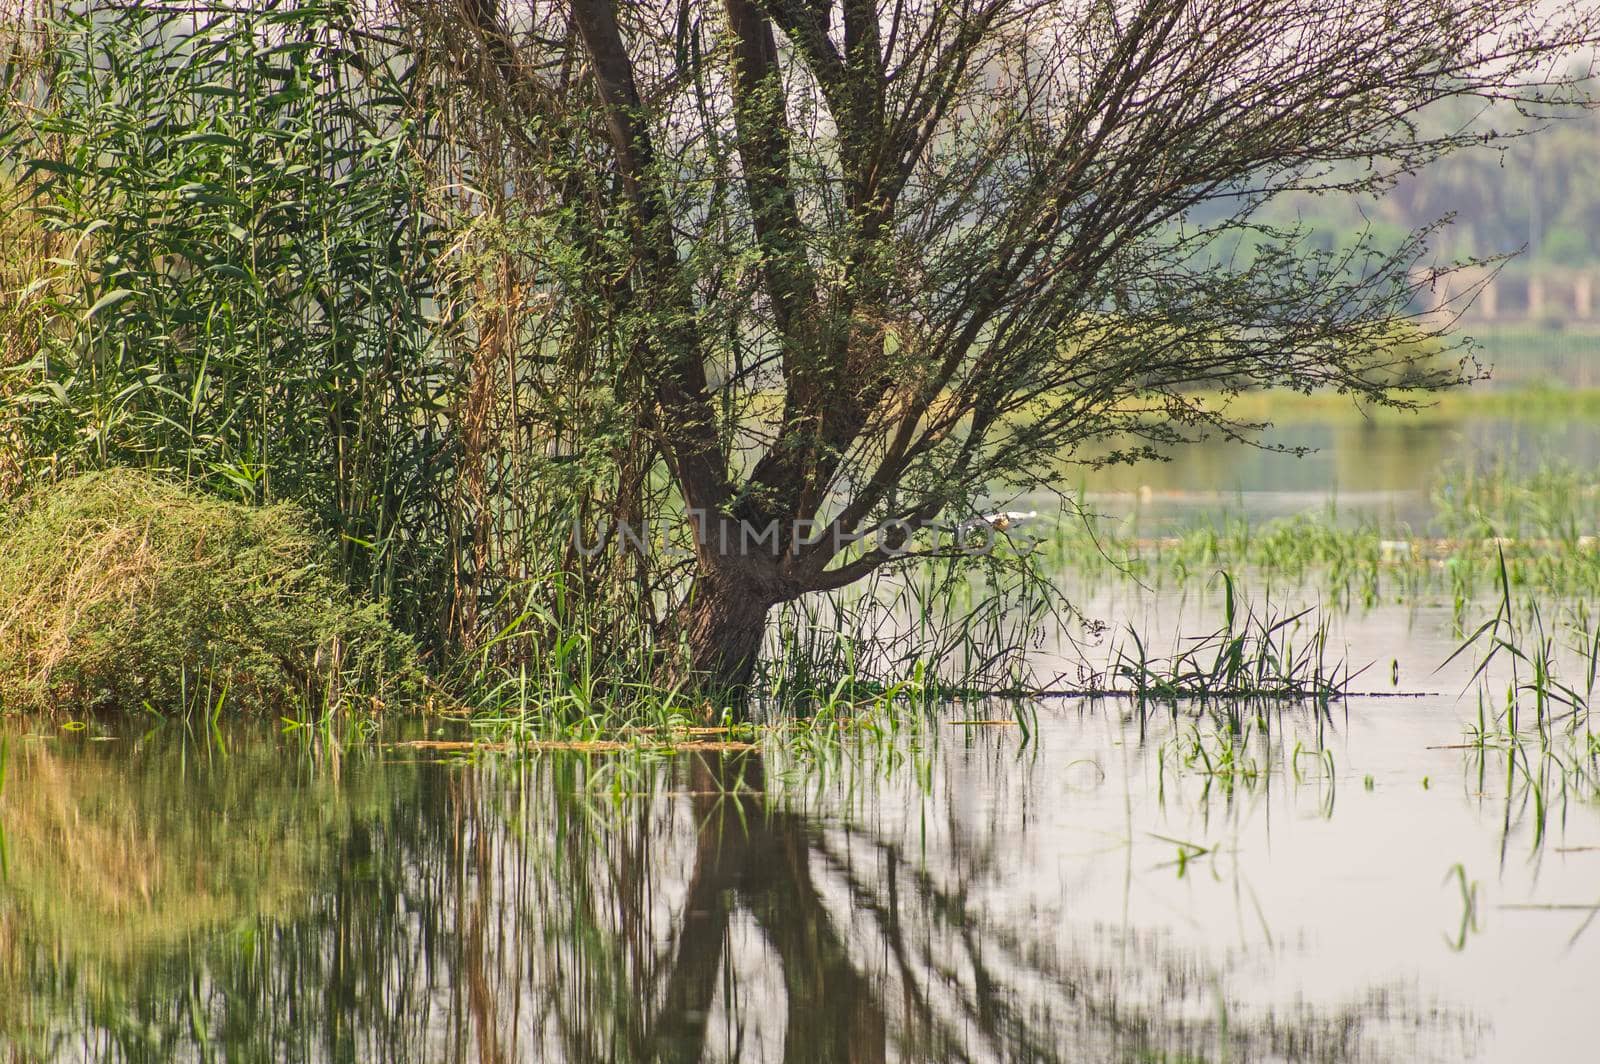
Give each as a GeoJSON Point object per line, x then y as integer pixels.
{"type": "Point", "coordinates": [119, 590]}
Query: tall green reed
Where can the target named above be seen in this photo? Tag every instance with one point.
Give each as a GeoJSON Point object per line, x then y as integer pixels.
{"type": "Point", "coordinates": [244, 292]}
{"type": "Point", "coordinates": [281, 255]}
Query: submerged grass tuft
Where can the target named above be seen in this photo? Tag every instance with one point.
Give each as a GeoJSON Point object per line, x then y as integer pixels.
{"type": "Point", "coordinates": [121, 591]}
{"type": "Point", "coordinates": [1252, 656]}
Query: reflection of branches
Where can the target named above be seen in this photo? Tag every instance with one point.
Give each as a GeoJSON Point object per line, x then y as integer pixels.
{"type": "Point", "coordinates": [969, 972]}
{"type": "Point", "coordinates": [956, 971]}
{"type": "Point", "coordinates": [763, 859]}
{"type": "Point", "coordinates": [987, 1007]}
{"type": "Point", "coordinates": [703, 925]}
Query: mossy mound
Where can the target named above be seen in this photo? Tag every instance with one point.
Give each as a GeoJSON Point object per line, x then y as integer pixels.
{"type": "Point", "coordinates": [120, 591]}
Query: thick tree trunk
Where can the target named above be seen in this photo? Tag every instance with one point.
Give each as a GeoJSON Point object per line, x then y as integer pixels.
{"type": "Point", "coordinates": [721, 630]}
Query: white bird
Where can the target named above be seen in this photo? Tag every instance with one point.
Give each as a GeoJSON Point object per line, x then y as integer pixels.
{"type": "Point", "coordinates": [1003, 521]}
{"type": "Point", "coordinates": [1009, 519]}
{"type": "Point", "coordinates": [1394, 548]}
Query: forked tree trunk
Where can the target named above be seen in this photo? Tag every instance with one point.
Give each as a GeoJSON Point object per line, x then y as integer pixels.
{"type": "Point", "coordinates": [721, 629]}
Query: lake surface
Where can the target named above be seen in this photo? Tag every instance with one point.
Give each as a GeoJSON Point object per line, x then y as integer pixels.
{"type": "Point", "coordinates": [1384, 469]}
{"type": "Point", "coordinates": [1363, 887]}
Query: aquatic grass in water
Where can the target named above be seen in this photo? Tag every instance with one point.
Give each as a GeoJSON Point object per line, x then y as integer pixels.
{"type": "Point", "coordinates": [1555, 505]}
{"type": "Point", "coordinates": [897, 646]}
{"type": "Point", "coordinates": [1545, 525]}
{"type": "Point", "coordinates": [1541, 730]}
{"type": "Point", "coordinates": [948, 627]}
{"type": "Point", "coordinates": [1252, 656]}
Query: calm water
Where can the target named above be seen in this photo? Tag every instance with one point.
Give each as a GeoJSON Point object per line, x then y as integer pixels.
{"type": "Point", "coordinates": [1379, 469]}
{"type": "Point", "coordinates": [953, 892]}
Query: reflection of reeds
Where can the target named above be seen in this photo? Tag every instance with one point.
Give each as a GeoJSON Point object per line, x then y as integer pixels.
{"type": "Point", "coordinates": [729, 922]}
{"type": "Point", "coordinates": [97, 868]}
{"type": "Point", "coordinates": [522, 909]}
{"type": "Point", "coordinates": [118, 857]}
{"type": "Point", "coordinates": [79, 852]}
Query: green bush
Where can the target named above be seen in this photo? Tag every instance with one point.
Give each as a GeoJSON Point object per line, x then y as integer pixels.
{"type": "Point", "coordinates": [119, 590]}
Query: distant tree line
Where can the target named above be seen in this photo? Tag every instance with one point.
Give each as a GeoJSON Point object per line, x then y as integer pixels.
{"type": "Point", "coordinates": [1538, 194]}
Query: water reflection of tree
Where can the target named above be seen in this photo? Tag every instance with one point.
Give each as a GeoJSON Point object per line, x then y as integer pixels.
{"type": "Point", "coordinates": [500, 912]}
{"type": "Point", "coordinates": [946, 981]}
{"type": "Point", "coordinates": [752, 856]}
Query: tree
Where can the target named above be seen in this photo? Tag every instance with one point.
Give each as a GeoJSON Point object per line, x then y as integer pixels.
{"type": "Point", "coordinates": [855, 263]}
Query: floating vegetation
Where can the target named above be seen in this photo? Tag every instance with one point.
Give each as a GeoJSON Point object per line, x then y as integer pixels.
{"type": "Point", "coordinates": [661, 744]}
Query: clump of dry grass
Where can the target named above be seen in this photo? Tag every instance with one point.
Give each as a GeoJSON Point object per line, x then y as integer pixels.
{"type": "Point", "coordinates": [119, 591]}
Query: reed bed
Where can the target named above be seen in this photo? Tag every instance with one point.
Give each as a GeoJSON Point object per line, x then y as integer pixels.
{"type": "Point", "coordinates": [1543, 524]}
{"type": "Point", "coordinates": [290, 287]}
